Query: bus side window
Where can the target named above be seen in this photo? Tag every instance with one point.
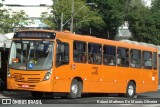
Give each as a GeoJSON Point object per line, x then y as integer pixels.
{"type": "Point", "coordinates": [154, 60]}
{"type": "Point", "coordinates": [94, 53]}
{"type": "Point", "coordinates": [109, 55]}
{"type": "Point", "coordinates": [123, 57]}
{"type": "Point", "coordinates": [79, 52]}
{"type": "Point", "coordinates": [62, 53]}
{"type": "Point", "coordinates": [147, 60]}
{"type": "Point", "coordinates": [135, 58]}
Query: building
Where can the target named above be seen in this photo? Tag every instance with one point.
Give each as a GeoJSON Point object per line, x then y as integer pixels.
{"type": "Point", "coordinates": [123, 32]}
{"type": "Point", "coordinates": [32, 10]}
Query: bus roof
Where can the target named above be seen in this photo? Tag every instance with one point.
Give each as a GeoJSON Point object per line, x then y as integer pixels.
{"type": "Point", "coordinates": [92, 39]}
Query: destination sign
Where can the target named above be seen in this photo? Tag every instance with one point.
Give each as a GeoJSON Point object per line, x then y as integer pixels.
{"type": "Point", "coordinates": [35, 35]}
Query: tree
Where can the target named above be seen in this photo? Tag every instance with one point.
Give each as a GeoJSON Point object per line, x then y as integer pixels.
{"type": "Point", "coordinates": [143, 23]}
{"type": "Point", "coordinates": [1, 3]}
{"type": "Point", "coordinates": [155, 6]}
{"type": "Point", "coordinates": [112, 13]}
{"type": "Point", "coordinates": [155, 9]}
{"type": "Point", "coordinates": [9, 20]}
{"type": "Point", "coordinates": [48, 19]}
{"type": "Point", "coordinates": [83, 20]}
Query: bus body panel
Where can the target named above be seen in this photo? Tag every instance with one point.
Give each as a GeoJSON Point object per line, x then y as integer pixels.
{"type": "Point", "coordinates": [95, 78]}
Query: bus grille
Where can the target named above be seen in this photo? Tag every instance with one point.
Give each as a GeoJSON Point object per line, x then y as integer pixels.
{"type": "Point", "coordinates": [30, 80]}
{"type": "Point", "coordinates": [27, 78]}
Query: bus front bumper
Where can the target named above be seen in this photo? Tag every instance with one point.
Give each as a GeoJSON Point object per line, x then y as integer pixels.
{"type": "Point", "coordinates": [43, 86]}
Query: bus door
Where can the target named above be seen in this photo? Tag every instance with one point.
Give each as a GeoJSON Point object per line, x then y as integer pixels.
{"type": "Point", "coordinates": [109, 69]}
{"type": "Point", "coordinates": [123, 73]}
{"type": "Point", "coordinates": [148, 76]}
{"type": "Point", "coordinates": [62, 69]}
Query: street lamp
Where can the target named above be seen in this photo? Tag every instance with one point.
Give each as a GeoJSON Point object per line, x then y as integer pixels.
{"type": "Point", "coordinates": [72, 15]}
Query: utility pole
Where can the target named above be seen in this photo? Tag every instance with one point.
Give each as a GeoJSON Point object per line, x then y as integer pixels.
{"type": "Point", "coordinates": [72, 14]}
{"type": "Point", "coordinates": [108, 34]}
{"type": "Point", "coordinates": [90, 31]}
{"type": "Point", "coordinates": [61, 22]}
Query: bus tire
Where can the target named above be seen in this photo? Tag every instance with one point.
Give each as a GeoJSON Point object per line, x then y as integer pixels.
{"type": "Point", "coordinates": [131, 89]}
{"type": "Point", "coordinates": [80, 89]}
{"type": "Point", "coordinates": [36, 95]}
{"type": "Point", "coordinates": [74, 89]}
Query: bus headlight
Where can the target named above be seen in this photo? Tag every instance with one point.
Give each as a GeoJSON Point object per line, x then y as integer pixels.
{"type": "Point", "coordinates": [47, 75]}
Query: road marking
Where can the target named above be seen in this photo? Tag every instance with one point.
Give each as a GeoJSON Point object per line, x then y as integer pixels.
{"type": "Point", "coordinates": [152, 105]}
{"type": "Point", "coordinates": [6, 92]}
{"type": "Point", "coordinates": [13, 92]}
{"type": "Point", "coordinates": [126, 104]}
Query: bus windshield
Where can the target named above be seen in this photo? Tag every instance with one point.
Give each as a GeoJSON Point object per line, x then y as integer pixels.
{"type": "Point", "coordinates": [31, 55]}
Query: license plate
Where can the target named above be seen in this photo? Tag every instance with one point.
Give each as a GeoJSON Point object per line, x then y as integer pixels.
{"type": "Point", "coordinates": [25, 86]}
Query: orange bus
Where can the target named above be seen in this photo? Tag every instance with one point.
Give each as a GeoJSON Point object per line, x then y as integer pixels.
{"type": "Point", "coordinates": [43, 61]}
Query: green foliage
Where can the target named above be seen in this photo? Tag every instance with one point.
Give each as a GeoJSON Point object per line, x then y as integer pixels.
{"type": "Point", "coordinates": [112, 12]}
{"type": "Point", "coordinates": [10, 20]}
{"type": "Point", "coordinates": [155, 6]}
{"type": "Point", "coordinates": [84, 18]}
{"type": "Point", "coordinates": [144, 23]}
{"type": "Point", "coordinates": [1, 3]}
{"type": "Point", "coordinates": [48, 19]}
{"type": "Point", "coordinates": [156, 13]}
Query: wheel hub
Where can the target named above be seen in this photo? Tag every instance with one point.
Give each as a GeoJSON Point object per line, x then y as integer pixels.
{"type": "Point", "coordinates": [130, 90]}
{"type": "Point", "coordinates": [74, 89]}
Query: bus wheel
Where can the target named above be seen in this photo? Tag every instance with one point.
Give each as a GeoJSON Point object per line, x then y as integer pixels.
{"type": "Point", "coordinates": [80, 89]}
{"type": "Point", "coordinates": [131, 89]}
{"type": "Point", "coordinates": [74, 89]}
{"type": "Point", "coordinates": [36, 95]}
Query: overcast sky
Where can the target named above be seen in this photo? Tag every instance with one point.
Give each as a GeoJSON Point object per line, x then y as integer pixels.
{"type": "Point", "coordinates": [148, 2]}
{"type": "Point", "coordinates": [29, 2]}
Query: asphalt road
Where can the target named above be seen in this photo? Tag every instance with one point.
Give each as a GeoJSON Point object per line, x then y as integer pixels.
{"type": "Point", "coordinates": [89, 100]}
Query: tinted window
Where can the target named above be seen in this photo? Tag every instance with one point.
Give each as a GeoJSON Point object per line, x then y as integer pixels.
{"type": "Point", "coordinates": [135, 60]}
{"type": "Point", "coordinates": [154, 60]}
{"type": "Point", "coordinates": [94, 53]}
{"type": "Point", "coordinates": [147, 60]}
{"type": "Point", "coordinates": [123, 57]}
{"type": "Point", "coordinates": [109, 55]}
{"type": "Point", "coordinates": [62, 54]}
{"type": "Point", "coordinates": [31, 55]}
{"type": "Point", "coordinates": [79, 52]}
